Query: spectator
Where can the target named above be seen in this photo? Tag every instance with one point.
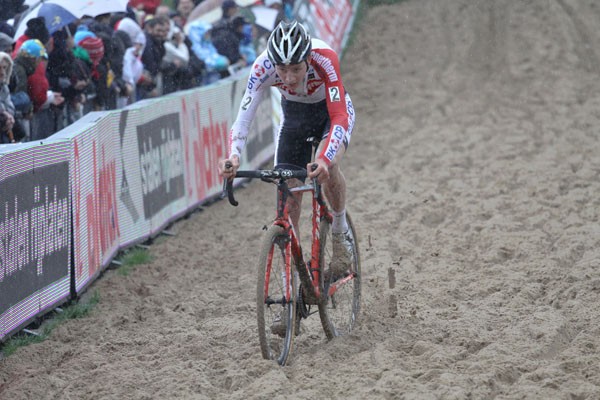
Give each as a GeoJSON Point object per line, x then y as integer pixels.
{"type": "Point", "coordinates": [6, 67]}
{"type": "Point", "coordinates": [130, 27]}
{"type": "Point", "coordinates": [6, 103]}
{"type": "Point", "coordinates": [39, 94]}
{"type": "Point", "coordinates": [156, 34]}
{"type": "Point", "coordinates": [227, 35]}
{"type": "Point", "coordinates": [36, 29]}
{"type": "Point", "coordinates": [229, 9]}
{"type": "Point", "coordinates": [215, 63]}
{"type": "Point", "coordinates": [67, 75]}
{"type": "Point", "coordinates": [110, 66]}
{"type": "Point", "coordinates": [133, 69]}
{"type": "Point", "coordinates": [6, 43]}
{"type": "Point", "coordinates": [179, 74]}
{"type": "Point", "coordinates": [90, 48]}
{"type": "Point", "coordinates": [7, 122]}
{"type": "Point", "coordinates": [247, 48]}
{"type": "Point", "coordinates": [32, 53]}
{"type": "Point", "coordinates": [184, 9]}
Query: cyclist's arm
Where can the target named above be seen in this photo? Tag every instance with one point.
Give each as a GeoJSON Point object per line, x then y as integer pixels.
{"type": "Point", "coordinates": [259, 82]}
{"type": "Point", "coordinates": [326, 62]}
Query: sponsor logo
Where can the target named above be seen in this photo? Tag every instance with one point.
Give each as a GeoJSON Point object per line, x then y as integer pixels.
{"type": "Point", "coordinates": [35, 226]}
{"type": "Point", "coordinates": [338, 132]}
{"type": "Point", "coordinates": [252, 80]}
{"type": "Point", "coordinates": [327, 66]}
{"type": "Point", "coordinates": [259, 70]}
{"type": "Point", "coordinates": [161, 163]}
{"type": "Point", "coordinates": [337, 137]}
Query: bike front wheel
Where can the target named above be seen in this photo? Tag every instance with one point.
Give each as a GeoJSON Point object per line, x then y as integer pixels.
{"type": "Point", "coordinates": [339, 310]}
{"type": "Point", "coordinates": [276, 296]}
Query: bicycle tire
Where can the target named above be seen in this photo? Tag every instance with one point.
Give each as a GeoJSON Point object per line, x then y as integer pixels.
{"type": "Point", "coordinates": [339, 312]}
{"type": "Point", "coordinates": [272, 308]}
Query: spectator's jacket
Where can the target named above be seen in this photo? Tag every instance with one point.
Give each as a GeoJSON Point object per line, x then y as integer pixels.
{"type": "Point", "coordinates": [153, 55]}
{"type": "Point", "coordinates": [226, 40]}
{"type": "Point", "coordinates": [203, 47]}
{"type": "Point", "coordinates": [132, 67]}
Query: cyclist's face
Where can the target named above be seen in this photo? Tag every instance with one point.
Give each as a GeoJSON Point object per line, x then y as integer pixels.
{"type": "Point", "coordinates": [292, 75]}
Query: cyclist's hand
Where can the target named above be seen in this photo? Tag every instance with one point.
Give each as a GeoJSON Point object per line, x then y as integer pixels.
{"type": "Point", "coordinates": [229, 166]}
{"type": "Point", "coordinates": [321, 172]}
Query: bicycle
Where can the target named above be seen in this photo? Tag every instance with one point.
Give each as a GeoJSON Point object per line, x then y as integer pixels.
{"type": "Point", "coordinates": [281, 303]}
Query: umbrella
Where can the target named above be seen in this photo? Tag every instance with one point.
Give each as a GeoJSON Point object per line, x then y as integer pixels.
{"type": "Point", "coordinates": [91, 8]}
{"type": "Point", "coordinates": [59, 13]}
{"type": "Point", "coordinates": [56, 17]}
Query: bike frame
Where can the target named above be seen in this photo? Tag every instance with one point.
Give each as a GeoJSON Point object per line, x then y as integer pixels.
{"type": "Point", "coordinates": [309, 272]}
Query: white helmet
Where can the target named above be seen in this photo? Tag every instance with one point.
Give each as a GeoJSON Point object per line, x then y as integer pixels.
{"type": "Point", "coordinates": [289, 43]}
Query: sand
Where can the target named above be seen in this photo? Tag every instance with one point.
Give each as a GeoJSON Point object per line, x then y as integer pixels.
{"type": "Point", "coordinates": [472, 178]}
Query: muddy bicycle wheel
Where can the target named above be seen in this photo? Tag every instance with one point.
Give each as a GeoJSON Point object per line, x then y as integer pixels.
{"type": "Point", "coordinates": [339, 311]}
{"type": "Point", "coordinates": [275, 300]}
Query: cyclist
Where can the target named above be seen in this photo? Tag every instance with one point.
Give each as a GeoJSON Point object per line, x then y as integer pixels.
{"type": "Point", "coordinates": [307, 73]}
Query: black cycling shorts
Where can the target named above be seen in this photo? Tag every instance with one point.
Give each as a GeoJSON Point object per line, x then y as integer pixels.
{"type": "Point", "coordinates": [300, 121]}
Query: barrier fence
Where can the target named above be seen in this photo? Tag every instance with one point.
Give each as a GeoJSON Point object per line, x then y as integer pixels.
{"type": "Point", "coordinates": [113, 179]}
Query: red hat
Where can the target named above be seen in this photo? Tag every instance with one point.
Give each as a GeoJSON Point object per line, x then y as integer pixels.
{"type": "Point", "coordinates": [94, 47]}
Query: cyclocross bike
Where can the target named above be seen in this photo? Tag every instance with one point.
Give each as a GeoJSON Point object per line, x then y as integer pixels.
{"type": "Point", "coordinates": [289, 285]}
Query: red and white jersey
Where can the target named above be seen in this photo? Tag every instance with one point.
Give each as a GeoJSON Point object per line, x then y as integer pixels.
{"type": "Point", "coordinates": [323, 81]}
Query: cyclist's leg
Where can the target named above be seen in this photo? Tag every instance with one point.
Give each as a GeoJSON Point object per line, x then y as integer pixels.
{"type": "Point", "coordinates": [335, 187]}
{"type": "Point", "coordinates": [335, 192]}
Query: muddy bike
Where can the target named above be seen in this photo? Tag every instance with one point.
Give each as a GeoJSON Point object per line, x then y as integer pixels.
{"type": "Point", "coordinates": [290, 285]}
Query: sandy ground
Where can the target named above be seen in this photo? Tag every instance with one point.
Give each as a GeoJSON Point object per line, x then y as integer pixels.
{"type": "Point", "coordinates": [473, 176]}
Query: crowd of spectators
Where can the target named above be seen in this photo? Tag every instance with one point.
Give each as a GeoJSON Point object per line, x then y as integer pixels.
{"type": "Point", "coordinates": [105, 62]}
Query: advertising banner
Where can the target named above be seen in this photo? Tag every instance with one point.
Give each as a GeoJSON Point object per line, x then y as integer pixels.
{"type": "Point", "coordinates": [328, 20]}
{"type": "Point", "coordinates": [152, 180]}
{"type": "Point", "coordinates": [206, 118]}
{"type": "Point", "coordinates": [35, 231]}
{"type": "Point", "coordinates": [94, 170]}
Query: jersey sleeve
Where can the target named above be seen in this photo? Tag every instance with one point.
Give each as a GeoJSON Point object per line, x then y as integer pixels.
{"type": "Point", "coordinates": [326, 63]}
{"type": "Point", "coordinates": [260, 80]}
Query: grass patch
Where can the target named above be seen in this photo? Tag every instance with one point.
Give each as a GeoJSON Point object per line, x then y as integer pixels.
{"type": "Point", "coordinates": [75, 310]}
{"type": "Point", "coordinates": [133, 258]}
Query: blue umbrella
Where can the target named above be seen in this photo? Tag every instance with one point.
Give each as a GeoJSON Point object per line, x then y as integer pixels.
{"type": "Point", "coordinates": [56, 17]}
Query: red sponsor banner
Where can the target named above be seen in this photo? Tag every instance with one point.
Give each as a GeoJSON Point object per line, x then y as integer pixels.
{"type": "Point", "coordinates": [94, 174]}
{"type": "Point", "coordinates": [328, 20]}
{"type": "Point", "coordinates": [206, 118]}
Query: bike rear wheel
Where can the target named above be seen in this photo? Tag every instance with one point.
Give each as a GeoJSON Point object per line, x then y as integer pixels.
{"type": "Point", "coordinates": [339, 311]}
{"type": "Point", "coordinates": [276, 297]}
